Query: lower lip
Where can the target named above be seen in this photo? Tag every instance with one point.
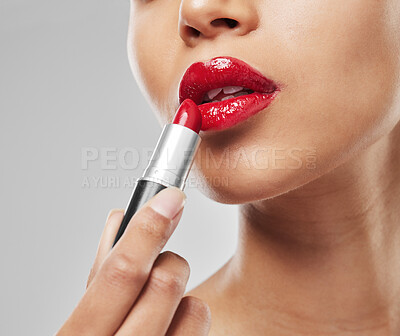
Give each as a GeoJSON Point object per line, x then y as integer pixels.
{"type": "Point", "coordinates": [227, 113]}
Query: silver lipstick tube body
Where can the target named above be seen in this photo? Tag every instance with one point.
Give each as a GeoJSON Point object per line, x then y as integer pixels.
{"type": "Point", "coordinates": [173, 156]}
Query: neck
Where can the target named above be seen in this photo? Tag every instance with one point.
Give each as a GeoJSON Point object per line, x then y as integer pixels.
{"type": "Point", "coordinates": [327, 255]}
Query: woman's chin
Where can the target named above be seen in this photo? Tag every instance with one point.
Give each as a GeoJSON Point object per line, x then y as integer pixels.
{"type": "Point", "coordinates": [250, 185]}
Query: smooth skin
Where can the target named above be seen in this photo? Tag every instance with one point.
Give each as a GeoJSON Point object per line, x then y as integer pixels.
{"type": "Point", "coordinates": [133, 289]}
{"type": "Point", "coordinates": [318, 251]}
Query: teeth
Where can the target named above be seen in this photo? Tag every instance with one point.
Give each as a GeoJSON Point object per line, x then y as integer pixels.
{"type": "Point", "coordinates": [213, 93]}
{"type": "Point", "coordinates": [232, 89]}
{"type": "Point", "coordinates": [240, 94]}
{"type": "Point", "coordinates": [227, 97]}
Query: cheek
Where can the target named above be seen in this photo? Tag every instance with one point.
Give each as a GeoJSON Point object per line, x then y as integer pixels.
{"type": "Point", "coordinates": [152, 48]}
{"type": "Point", "coordinates": [341, 63]}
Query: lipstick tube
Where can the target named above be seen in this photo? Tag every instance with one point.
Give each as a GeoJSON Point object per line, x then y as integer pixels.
{"type": "Point", "coordinates": [170, 163]}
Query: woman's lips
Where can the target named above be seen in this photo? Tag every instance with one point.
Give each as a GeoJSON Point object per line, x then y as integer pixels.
{"type": "Point", "coordinates": [227, 90]}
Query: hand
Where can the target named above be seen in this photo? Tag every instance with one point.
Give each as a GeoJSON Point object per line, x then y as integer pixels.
{"type": "Point", "coordinates": [133, 289]}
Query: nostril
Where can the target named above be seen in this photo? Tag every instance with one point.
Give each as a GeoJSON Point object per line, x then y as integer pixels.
{"type": "Point", "coordinates": [231, 23]}
{"type": "Point", "coordinates": [192, 32]}
{"type": "Point", "coordinates": [189, 31]}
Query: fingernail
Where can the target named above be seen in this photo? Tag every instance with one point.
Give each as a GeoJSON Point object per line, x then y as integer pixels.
{"type": "Point", "coordinates": [168, 202]}
{"type": "Point", "coordinates": [114, 212]}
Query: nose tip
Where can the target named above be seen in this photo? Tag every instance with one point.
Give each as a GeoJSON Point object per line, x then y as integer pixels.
{"type": "Point", "coordinates": [206, 19]}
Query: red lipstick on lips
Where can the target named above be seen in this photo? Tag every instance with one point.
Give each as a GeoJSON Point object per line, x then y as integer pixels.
{"type": "Point", "coordinates": [171, 160]}
{"type": "Point", "coordinates": [227, 91]}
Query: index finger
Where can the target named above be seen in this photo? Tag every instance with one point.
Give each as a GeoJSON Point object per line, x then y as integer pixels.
{"type": "Point", "coordinates": [121, 277]}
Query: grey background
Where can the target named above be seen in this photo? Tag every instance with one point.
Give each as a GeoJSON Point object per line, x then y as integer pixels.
{"type": "Point", "coordinates": [65, 84]}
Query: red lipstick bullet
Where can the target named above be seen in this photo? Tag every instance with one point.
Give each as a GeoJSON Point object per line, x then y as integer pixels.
{"type": "Point", "coordinates": [188, 115]}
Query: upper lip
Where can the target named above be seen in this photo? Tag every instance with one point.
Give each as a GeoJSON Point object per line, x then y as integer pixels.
{"type": "Point", "coordinates": [219, 72]}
